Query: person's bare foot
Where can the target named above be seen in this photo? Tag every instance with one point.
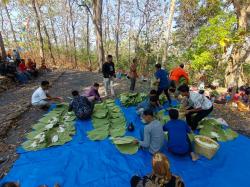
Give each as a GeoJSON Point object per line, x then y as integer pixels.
{"type": "Point", "coordinates": [194, 156]}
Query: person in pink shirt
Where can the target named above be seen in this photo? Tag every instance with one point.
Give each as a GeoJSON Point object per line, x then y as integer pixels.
{"type": "Point", "coordinates": [92, 93]}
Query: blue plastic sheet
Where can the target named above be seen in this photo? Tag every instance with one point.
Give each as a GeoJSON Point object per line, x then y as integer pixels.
{"type": "Point", "coordinates": [82, 162]}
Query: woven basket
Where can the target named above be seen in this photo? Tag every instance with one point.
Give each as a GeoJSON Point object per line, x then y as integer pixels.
{"type": "Point", "coordinates": [204, 150]}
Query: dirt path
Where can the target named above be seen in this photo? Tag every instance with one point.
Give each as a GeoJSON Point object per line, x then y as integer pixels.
{"type": "Point", "coordinates": [17, 114]}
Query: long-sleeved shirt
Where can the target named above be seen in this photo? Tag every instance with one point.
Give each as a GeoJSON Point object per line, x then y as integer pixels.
{"type": "Point", "coordinates": [177, 136]}
{"type": "Point", "coordinates": [146, 105]}
{"type": "Point", "coordinates": [93, 92]}
{"type": "Point", "coordinates": [153, 137]}
{"type": "Point", "coordinates": [108, 70]}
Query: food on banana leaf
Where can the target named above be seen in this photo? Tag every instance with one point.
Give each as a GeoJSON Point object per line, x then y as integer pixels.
{"type": "Point", "coordinates": [162, 117]}
{"type": "Point", "coordinates": [125, 145]}
{"type": "Point", "coordinates": [55, 128]}
{"type": "Point", "coordinates": [123, 140]}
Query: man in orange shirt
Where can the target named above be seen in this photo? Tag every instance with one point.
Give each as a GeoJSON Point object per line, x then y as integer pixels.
{"type": "Point", "coordinates": [177, 74]}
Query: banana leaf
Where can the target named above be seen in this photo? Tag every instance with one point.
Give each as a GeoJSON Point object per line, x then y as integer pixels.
{"type": "Point", "coordinates": [27, 145]}
{"type": "Point", "coordinates": [117, 132]}
{"type": "Point", "coordinates": [100, 114]}
{"type": "Point", "coordinates": [39, 126]}
{"type": "Point", "coordinates": [97, 134]}
{"type": "Point", "coordinates": [129, 149]}
{"type": "Point", "coordinates": [231, 134]}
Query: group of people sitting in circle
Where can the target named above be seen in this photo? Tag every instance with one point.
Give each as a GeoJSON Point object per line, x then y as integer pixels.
{"type": "Point", "coordinates": [16, 68]}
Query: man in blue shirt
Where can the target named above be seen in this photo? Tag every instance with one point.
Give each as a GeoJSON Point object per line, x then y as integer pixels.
{"type": "Point", "coordinates": [178, 141]}
{"type": "Point", "coordinates": [163, 81]}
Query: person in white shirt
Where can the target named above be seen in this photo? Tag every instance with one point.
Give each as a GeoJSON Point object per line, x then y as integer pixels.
{"type": "Point", "coordinates": [199, 106]}
{"type": "Point", "coordinates": [41, 96]}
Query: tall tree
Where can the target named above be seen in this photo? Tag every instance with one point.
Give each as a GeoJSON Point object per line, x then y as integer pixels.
{"type": "Point", "coordinates": [96, 17]}
{"type": "Point", "coordinates": [240, 52]}
{"type": "Point", "coordinates": [87, 41]}
{"type": "Point", "coordinates": [168, 32]}
{"type": "Point", "coordinates": [47, 34]}
{"type": "Point", "coordinates": [38, 25]}
{"type": "Point", "coordinates": [11, 25]}
{"type": "Point", "coordinates": [117, 30]}
{"type": "Point", "coordinates": [2, 46]}
{"type": "Point", "coordinates": [73, 23]}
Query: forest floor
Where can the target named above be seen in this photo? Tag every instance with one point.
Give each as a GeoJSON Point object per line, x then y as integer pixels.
{"type": "Point", "coordinates": [17, 115]}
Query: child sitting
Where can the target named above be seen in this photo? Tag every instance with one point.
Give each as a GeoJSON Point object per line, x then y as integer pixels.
{"type": "Point", "coordinates": [151, 104]}
{"type": "Point", "coordinates": [178, 141]}
{"type": "Point", "coordinates": [92, 94]}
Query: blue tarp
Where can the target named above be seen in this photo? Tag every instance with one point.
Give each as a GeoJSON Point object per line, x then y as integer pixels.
{"type": "Point", "coordinates": [82, 162]}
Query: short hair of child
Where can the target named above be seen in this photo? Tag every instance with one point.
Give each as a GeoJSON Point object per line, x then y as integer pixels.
{"type": "Point", "coordinates": [153, 99]}
{"type": "Point", "coordinates": [182, 66]}
{"type": "Point", "coordinates": [44, 83]}
{"type": "Point", "coordinates": [96, 85]}
{"type": "Point", "coordinates": [158, 66]}
{"type": "Point", "coordinates": [110, 56]}
{"type": "Point", "coordinates": [183, 88]}
{"type": "Point", "coordinates": [173, 114]}
{"type": "Point", "coordinates": [148, 112]}
{"type": "Point", "coordinates": [75, 93]}
{"type": "Point", "coordinates": [153, 92]}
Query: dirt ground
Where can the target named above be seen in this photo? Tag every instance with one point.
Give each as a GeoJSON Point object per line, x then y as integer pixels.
{"type": "Point", "coordinates": [17, 115]}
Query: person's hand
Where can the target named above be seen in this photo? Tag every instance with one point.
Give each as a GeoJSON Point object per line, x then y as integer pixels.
{"type": "Point", "coordinates": [135, 142]}
{"type": "Point", "coordinates": [187, 112]}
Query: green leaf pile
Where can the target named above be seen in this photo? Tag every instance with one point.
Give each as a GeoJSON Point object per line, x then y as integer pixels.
{"type": "Point", "coordinates": [211, 128]}
{"type": "Point", "coordinates": [132, 99]}
{"type": "Point", "coordinates": [55, 128]}
{"type": "Point", "coordinates": [125, 145]}
{"type": "Point", "coordinates": [108, 120]}
{"type": "Point", "coordinates": [162, 117]}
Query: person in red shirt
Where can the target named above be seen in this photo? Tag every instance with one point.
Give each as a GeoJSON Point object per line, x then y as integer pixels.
{"type": "Point", "coordinates": [23, 69]}
{"type": "Point", "coordinates": [177, 74]}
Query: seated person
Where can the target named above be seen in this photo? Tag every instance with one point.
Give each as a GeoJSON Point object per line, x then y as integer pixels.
{"type": "Point", "coordinates": [161, 175]}
{"type": "Point", "coordinates": [23, 69]}
{"type": "Point", "coordinates": [178, 141]}
{"type": "Point", "coordinates": [44, 68]}
{"type": "Point", "coordinates": [151, 104]}
{"type": "Point", "coordinates": [31, 67]}
{"type": "Point", "coordinates": [81, 106]}
{"type": "Point", "coordinates": [153, 135]}
{"type": "Point", "coordinates": [199, 106]}
{"type": "Point", "coordinates": [41, 96]}
{"type": "Point", "coordinates": [92, 94]}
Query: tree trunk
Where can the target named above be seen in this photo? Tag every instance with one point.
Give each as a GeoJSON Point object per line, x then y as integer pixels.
{"type": "Point", "coordinates": [167, 36]}
{"type": "Point", "coordinates": [2, 46]}
{"type": "Point", "coordinates": [38, 25]}
{"type": "Point", "coordinates": [117, 30]}
{"type": "Point", "coordinates": [11, 25]}
{"type": "Point", "coordinates": [97, 20]}
{"type": "Point", "coordinates": [73, 31]}
{"type": "Point", "coordinates": [47, 35]}
{"type": "Point", "coordinates": [55, 37]}
{"type": "Point", "coordinates": [88, 43]}
{"type": "Point", "coordinates": [234, 71]}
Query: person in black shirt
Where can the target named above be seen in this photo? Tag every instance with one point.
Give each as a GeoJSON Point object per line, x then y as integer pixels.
{"type": "Point", "coordinates": [108, 70]}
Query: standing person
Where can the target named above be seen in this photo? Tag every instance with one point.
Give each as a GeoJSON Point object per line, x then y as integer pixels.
{"type": "Point", "coordinates": [41, 96]}
{"type": "Point", "coordinates": [161, 175]}
{"type": "Point", "coordinates": [178, 73]}
{"type": "Point", "coordinates": [199, 106]}
{"type": "Point", "coordinates": [178, 140]}
{"type": "Point", "coordinates": [163, 81]}
{"type": "Point", "coordinates": [133, 74]}
{"type": "Point", "coordinates": [153, 136]}
{"type": "Point", "coordinates": [81, 106]}
{"type": "Point", "coordinates": [108, 70]}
